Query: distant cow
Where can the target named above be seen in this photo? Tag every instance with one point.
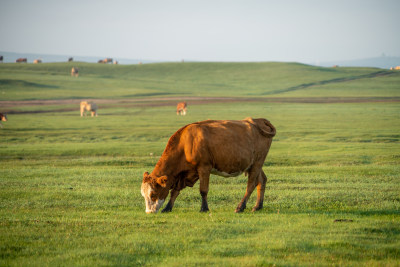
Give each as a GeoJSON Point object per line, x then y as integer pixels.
{"type": "Point", "coordinates": [225, 148]}
{"type": "Point", "coordinates": [74, 72]}
{"type": "Point", "coordinates": [70, 59]}
{"type": "Point", "coordinates": [397, 68]}
{"type": "Point", "coordinates": [108, 60]}
{"type": "Point", "coordinates": [21, 60]}
{"type": "Point", "coordinates": [1, 59]}
{"type": "Point", "coordinates": [115, 62]}
{"type": "Point", "coordinates": [3, 117]}
{"type": "Point", "coordinates": [36, 61]}
{"type": "Point", "coordinates": [181, 108]}
{"type": "Point", "coordinates": [101, 61]}
{"type": "Point", "coordinates": [88, 106]}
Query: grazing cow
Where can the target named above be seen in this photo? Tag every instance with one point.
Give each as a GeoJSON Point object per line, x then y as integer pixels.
{"type": "Point", "coordinates": [1, 59]}
{"type": "Point", "coordinates": [75, 72]}
{"type": "Point", "coordinates": [181, 108]}
{"type": "Point", "coordinates": [115, 62]}
{"type": "Point", "coordinates": [225, 148]}
{"type": "Point", "coordinates": [21, 60]}
{"type": "Point", "coordinates": [397, 68]}
{"type": "Point", "coordinates": [36, 61]}
{"type": "Point", "coordinates": [101, 61]}
{"type": "Point", "coordinates": [3, 117]}
{"type": "Point", "coordinates": [108, 60]}
{"type": "Point", "coordinates": [88, 106]}
{"type": "Point", "coordinates": [70, 59]}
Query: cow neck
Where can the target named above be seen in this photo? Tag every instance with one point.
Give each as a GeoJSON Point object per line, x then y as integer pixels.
{"type": "Point", "coordinates": [165, 166]}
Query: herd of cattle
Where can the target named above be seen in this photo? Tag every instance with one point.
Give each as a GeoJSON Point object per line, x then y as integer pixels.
{"type": "Point", "coordinates": [222, 147]}
{"type": "Point", "coordinates": [107, 60]}
{"type": "Point", "coordinates": [226, 148]}
{"type": "Point", "coordinates": [90, 106]}
{"type": "Point", "coordinates": [70, 59]}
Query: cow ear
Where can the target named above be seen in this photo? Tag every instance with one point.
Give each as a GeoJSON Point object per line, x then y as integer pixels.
{"type": "Point", "coordinates": [146, 177]}
{"type": "Point", "coordinates": [162, 181]}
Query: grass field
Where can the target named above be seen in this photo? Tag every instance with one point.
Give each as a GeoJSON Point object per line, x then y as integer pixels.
{"type": "Point", "coordinates": [70, 186]}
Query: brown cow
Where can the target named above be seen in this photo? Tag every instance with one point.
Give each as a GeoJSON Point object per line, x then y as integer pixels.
{"type": "Point", "coordinates": [75, 72]}
{"type": "Point", "coordinates": [88, 106]}
{"type": "Point", "coordinates": [225, 148]}
{"type": "Point", "coordinates": [36, 61]}
{"type": "Point", "coordinates": [181, 108]}
{"type": "Point", "coordinates": [3, 117]}
{"type": "Point", "coordinates": [20, 60]}
{"type": "Point", "coordinates": [108, 60]}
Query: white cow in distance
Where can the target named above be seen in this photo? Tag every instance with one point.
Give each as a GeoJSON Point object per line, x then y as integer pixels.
{"type": "Point", "coordinates": [88, 106]}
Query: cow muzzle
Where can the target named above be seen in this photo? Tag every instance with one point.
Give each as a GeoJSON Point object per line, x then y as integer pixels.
{"type": "Point", "coordinates": [154, 206]}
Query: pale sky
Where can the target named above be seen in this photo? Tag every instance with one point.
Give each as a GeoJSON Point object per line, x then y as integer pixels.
{"type": "Point", "coordinates": [205, 30]}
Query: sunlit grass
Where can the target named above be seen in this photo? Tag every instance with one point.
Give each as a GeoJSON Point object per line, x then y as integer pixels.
{"type": "Point", "coordinates": [70, 186]}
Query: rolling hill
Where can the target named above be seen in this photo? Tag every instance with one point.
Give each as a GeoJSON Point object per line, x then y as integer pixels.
{"type": "Point", "coordinates": [190, 80]}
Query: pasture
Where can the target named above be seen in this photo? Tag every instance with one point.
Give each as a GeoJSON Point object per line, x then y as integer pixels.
{"type": "Point", "coordinates": [70, 185]}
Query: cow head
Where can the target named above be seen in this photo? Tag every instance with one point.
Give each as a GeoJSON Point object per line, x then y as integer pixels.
{"type": "Point", "coordinates": [3, 117]}
{"type": "Point", "coordinates": [155, 191]}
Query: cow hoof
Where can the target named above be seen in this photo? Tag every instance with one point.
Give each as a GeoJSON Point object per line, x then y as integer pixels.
{"type": "Point", "coordinates": [204, 210]}
{"type": "Point", "coordinates": [167, 209]}
{"type": "Point", "coordinates": [239, 210]}
{"type": "Point", "coordinates": [241, 207]}
{"type": "Point", "coordinates": [256, 209]}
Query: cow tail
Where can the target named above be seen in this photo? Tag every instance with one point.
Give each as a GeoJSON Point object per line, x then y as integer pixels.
{"type": "Point", "coordinates": [263, 126]}
{"type": "Point", "coordinates": [271, 133]}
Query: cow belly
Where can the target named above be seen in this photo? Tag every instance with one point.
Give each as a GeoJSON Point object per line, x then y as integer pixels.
{"type": "Point", "coordinates": [225, 174]}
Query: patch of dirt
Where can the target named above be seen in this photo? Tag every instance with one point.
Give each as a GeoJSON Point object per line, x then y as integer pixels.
{"type": "Point", "coordinates": [13, 107]}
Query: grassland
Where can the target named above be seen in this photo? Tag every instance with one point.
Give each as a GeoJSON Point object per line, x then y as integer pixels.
{"type": "Point", "coordinates": [70, 186]}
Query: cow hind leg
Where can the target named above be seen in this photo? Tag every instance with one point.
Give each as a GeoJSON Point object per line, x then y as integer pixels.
{"type": "Point", "coordinates": [174, 195]}
{"type": "Point", "coordinates": [251, 185]}
{"type": "Point", "coordinates": [262, 181]}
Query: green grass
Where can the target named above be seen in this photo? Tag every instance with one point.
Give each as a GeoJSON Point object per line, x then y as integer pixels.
{"type": "Point", "coordinates": [70, 186]}
{"type": "Point", "coordinates": [53, 81]}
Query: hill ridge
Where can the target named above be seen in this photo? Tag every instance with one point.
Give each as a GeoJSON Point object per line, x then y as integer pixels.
{"type": "Point", "coordinates": [336, 80]}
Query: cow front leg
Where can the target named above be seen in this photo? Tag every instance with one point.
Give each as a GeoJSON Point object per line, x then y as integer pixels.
{"type": "Point", "coordinates": [204, 177]}
{"type": "Point", "coordinates": [251, 184]}
{"type": "Point", "coordinates": [262, 181]}
{"type": "Point", "coordinates": [174, 195]}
